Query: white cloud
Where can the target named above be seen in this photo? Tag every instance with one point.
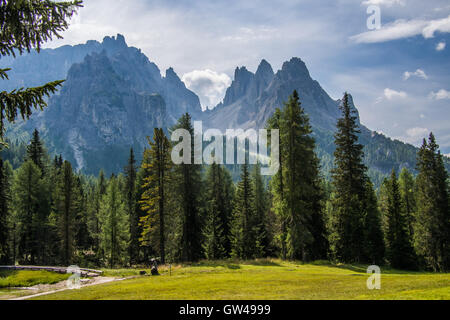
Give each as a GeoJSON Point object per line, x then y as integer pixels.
{"type": "Point", "coordinates": [440, 95]}
{"type": "Point", "coordinates": [422, 116]}
{"type": "Point", "coordinates": [210, 86]}
{"type": "Point", "coordinates": [415, 135]}
{"type": "Point", "coordinates": [447, 155]}
{"type": "Point", "coordinates": [392, 94]}
{"type": "Point", "coordinates": [418, 73]}
{"type": "Point", "coordinates": [441, 25]}
{"type": "Point", "coordinates": [388, 3]}
{"type": "Point", "coordinates": [400, 29]}
{"type": "Point", "coordinates": [440, 46]}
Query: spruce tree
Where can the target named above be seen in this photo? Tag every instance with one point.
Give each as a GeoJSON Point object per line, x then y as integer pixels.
{"type": "Point", "coordinates": [27, 25]}
{"type": "Point", "coordinates": [375, 247]}
{"type": "Point", "coordinates": [347, 236]}
{"type": "Point", "coordinates": [218, 200]}
{"type": "Point", "coordinates": [277, 187]}
{"type": "Point", "coordinates": [26, 191]}
{"type": "Point", "coordinates": [114, 225]}
{"type": "Point", "coordinates": [4, 215]}
{"type": "Point", "coordinates": [297, 191]}
{"type": "Point", "coordinates": [407, 186]}
{"type": "Point", "coordinates": [154, 198]}
{"type": "Point", "coordinates": [131, 203]}
{"type": "Point", "coordinates": [399, 245]}
{"type": "Point", "coordinates": [36, 151]}
{"type": "Point", "coordinates": [66, 210]}
{"type": "Point", "coordinates": [260, 209]}
{"type": "Point", "coordinates": [187, 182]}
{"type": "Point", "coordinates": [432, 220]}
{"type": "Point", "coordinates": [244, 237]}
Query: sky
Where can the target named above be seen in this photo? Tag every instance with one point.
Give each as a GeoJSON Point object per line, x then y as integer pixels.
{"type": "Point", "coordinates": [397, 71]}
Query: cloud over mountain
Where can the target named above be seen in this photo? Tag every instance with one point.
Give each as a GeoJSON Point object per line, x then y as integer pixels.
{"type": "Point", "coordinates": [210, 86]}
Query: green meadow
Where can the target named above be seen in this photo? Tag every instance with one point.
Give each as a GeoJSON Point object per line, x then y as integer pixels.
{"type": "Point", "coordinates": [264, 279]}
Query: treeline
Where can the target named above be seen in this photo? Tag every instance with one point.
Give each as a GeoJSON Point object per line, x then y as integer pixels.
{"type": "Point", "coordinates": [51, 215]}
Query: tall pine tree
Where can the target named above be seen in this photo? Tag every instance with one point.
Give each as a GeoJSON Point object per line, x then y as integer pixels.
{"type": "Point", "coordinates": [432, 221]}
{"type": "Point", "coordinates": [131, 203]}
{"type": "Point", "coordinates": [114, 225]}
{"type": "Point", "coordinates": [399, 245]}
{"type": "Point", "coordinates": [154, 198]}
{"type": "Point", "coordinates": [244, 244]}
{"type": "Point", "coordinates": [347, 236]}
{"type": "Point", "coordinates": [187, 182]}
{"type": "Point", "coordinates": [4, 215]}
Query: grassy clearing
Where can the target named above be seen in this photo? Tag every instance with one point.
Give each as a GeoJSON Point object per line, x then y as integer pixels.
{"type": "Point", "coordinates": [26, 278]}
{"type": "Point", "coordinates": [264, 279]}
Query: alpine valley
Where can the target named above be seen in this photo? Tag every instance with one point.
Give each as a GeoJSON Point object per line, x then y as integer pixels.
{"type": "Point", "coordinates": [114, 96]}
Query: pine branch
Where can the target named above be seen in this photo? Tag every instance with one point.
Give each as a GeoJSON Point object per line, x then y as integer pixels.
{"type": "Point", "coordinates": [4, 74]}
{"type": "Point", "coordinates": [27, 24]}
{"type": "Point", "coordinates": [22, 101]}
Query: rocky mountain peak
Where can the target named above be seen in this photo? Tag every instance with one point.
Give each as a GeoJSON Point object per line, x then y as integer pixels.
{"type": "Point", "coordinates": [264, 70]}
{"type": "Point", "coordinates": [172, 76]}
{"type": "Point", "coordinates": [295, 68]}
{"type": "Point", "coordinates": [114, 43]}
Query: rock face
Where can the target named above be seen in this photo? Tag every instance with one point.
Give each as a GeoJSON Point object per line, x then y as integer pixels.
{"type": "Point", "coordinates": [252, 98]}
{"type": "Point", "coordinates": [110, 102]}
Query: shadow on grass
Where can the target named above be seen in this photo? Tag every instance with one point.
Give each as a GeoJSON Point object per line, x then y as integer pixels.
{"type": "Point", "coordinates": [234, 263]}
{"type": "Point", "coordinates": [384, 269]}
{"type": "Point", "coordinates": [7, 273]}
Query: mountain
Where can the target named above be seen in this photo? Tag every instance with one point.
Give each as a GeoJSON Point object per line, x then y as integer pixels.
{"type": "Point", "coordinates": [114, 96]}
{"type": "Point", "coordinates": [252, 98]}
{"type": "Point", "coordinates": [111, 101]}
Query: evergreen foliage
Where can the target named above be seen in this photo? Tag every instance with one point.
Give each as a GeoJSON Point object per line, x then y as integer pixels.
{"type": "Point", "coordinates": [432, 220]}
{"type": "Point", "coordinates": [26, 25]}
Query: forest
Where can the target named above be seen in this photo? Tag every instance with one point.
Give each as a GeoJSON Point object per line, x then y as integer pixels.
{"type": "Point", "coordinates": [52, 215]}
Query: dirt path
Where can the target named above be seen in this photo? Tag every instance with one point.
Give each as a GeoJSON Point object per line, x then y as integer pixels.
{"type": "Point", "coordinates": [45, 289]}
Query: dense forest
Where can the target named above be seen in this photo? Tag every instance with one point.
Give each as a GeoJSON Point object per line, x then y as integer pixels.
{"type": "Point", "coordinates": [51, 215]}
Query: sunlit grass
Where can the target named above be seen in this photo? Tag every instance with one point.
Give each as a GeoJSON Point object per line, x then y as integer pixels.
{"type": "Point", "coordinates": [26, 278]}
{"type": "Point", "coordinates": [264, 279]}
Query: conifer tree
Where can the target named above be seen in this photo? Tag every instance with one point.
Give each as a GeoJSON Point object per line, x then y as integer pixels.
{"type": "Point", "coordinates": [407, 185]}
{"type": "Point", "coordinates": [154, 198]}
{"type": "Point", "coordinates": [244, 236]}
{"type": "Point", "coordinates": [131, 203]}
{"type": "Point", "coordinates": [36, 151]}
{"type": "Point", "coordinates": [277, 186]}
{"type": "Point", "coordinates": [218, 200]}
{"type": "Point", "coordinates": [375, 247]}
{"type": "Point", "coordinates": [26, 191]}
{"type": "Point", "coordinates": [4, 215]}
{"type": "Point", "coordinates": [347, 238]}
{"type": "Point", "coordinates": [187, 182]}
{"type": "Point", "coordinates": [260, 209]}
{"type": "Point", "coordinates": [297, 191]}
{"type": "Point", "coordinates": [26, 25]}
{"type": "Point", "coordinates": [66, 210]}
{"type": "Point", "coordinates": [114, 225]}
{"type": "Point", "coordinates": [399, 248]}
{"type": "Point", "coordinates": [432, 220]}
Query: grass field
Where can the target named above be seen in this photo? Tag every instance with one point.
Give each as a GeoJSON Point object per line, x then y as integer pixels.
{"type": "Point", "coordinates": [266, 279]}
{"type": "Point", "coordinates": [25, 278]}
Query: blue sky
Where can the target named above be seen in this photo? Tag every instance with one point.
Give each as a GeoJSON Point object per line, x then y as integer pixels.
{"type": "Point", "coordinates": [398, 75]}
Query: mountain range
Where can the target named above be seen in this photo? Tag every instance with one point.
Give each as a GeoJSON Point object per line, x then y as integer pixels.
{"type": "Point", "coordinates": [114, 96]}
